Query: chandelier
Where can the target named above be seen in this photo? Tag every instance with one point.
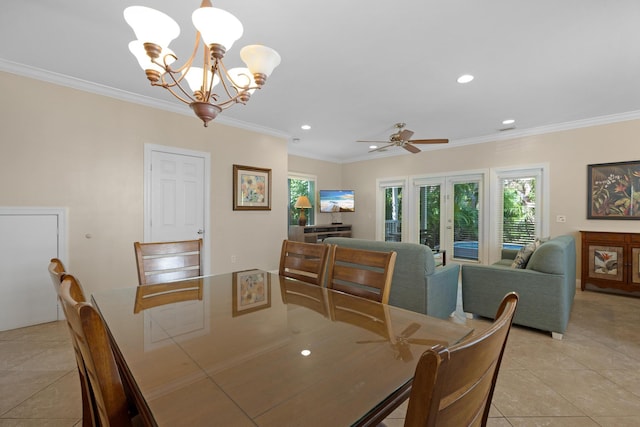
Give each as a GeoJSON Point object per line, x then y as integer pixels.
{"type": "Point", "coordinates": [218, 30]}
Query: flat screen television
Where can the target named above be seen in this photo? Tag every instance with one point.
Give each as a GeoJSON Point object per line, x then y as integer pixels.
{"type": "Point", "coordinates": [334, 201]}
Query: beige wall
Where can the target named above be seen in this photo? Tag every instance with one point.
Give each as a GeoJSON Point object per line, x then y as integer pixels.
{"type": "Point", "coordinates": [567, 153]}
{"type": "Point", "coordinates": [66, 148]}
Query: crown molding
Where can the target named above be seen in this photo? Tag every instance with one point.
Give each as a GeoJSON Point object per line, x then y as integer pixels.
{"type": "Point", "coordinates": [98, 89]}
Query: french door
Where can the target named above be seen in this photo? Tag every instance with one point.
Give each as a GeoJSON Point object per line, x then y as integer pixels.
{"type": "Point", "coordinates": [448, 211]}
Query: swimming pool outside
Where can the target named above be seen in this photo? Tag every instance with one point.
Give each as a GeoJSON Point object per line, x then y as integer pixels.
{"type": "Point", "coordinates": [469, 249]}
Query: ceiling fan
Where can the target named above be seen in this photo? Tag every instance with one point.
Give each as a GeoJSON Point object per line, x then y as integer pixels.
{"type": "Point", "coordinates": [402, 138]}
{"type": "Point", "coordinates": [401, 343]}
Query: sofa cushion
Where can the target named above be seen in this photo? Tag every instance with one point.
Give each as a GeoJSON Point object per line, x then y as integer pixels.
{"type": "Point", "coordinates": [523, 255]}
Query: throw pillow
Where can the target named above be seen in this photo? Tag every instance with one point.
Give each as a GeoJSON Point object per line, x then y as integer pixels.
{"type": "Point", "coordinates": [523, 255]}
{"type": "Point", "coordinates": [540, 240]}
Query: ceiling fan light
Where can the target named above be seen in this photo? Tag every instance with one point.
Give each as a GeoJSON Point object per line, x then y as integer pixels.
{"type": "Point", "coordinates": [260, 59]}
{"type": "Point", "coordinates": [194, 77]}
{"type": "Point", "coordinates": [217, 26]}
{"type": "Point", "coordinates": [241, 78]}
{"type": "Point", "coordinates": [151, 26]}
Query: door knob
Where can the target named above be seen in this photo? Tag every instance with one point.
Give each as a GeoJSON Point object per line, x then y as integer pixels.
{"type": "Point", "coordinates": [201, 231]}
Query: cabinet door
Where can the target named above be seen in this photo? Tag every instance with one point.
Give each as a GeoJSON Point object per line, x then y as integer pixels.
{"type": "Point", "coordinates": [635, 266]}
{"type": "Point", "coordinates": [606, 263]}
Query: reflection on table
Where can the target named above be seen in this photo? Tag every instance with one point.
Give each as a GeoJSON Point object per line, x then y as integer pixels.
{"type": "Point", "coordinates": [242, 361]}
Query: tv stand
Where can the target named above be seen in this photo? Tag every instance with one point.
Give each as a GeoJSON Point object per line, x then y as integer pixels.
{"type": "Point", "coordinates": [317, 233]}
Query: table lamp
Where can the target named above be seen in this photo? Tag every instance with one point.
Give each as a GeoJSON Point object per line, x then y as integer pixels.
{"type": "Point", "coordinates": [302, 203]}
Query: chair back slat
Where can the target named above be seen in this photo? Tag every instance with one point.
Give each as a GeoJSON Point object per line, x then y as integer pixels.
{"type": "Point", "coordinates": [361, 272]}
{"type": "Point", "coordinates": [160, 262]}
{"type": "Point", "coordinates": [304, 261]}
{"type": "Point", "coordinates": [455, 386]}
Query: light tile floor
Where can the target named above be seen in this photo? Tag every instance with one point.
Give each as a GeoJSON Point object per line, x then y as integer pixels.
{"type": "Point", "coordinates": [590, 378]}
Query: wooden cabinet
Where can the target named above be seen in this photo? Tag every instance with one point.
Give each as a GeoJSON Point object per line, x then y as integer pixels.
{"type": "Point", "coordinates": [611, 260]}
{"type": "Point", "coordinates": [317, 233]}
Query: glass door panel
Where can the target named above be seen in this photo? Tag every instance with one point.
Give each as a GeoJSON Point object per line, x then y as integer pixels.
{"type": "Point", "coordinates": [429, 215]}
{"type": "Point", "coordinates": [466, 223]}
{"type": "Point", "coordinates": [393, 214]}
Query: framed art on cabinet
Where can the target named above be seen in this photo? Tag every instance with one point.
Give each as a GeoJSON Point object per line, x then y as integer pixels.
{"type": "Point", "coordinates": [251, 188]}
{"type": "Point", "coordinates": [613, 190]}
{"type": "Point", "coordinates": [605, 262]}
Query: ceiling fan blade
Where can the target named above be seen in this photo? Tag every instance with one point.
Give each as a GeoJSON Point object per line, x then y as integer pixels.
{"type": "Point", "coordinates": [411, 148]}
{"type": "Point", "coordinates": [410, 330]}
{"type": "Point", "coordinates": [384, 147]}
{"type": "Point", "coordinates": [368, 140]}
{"type": "Point", "coordinates": [370, 341]}
{"type": "Point", "coordinates": [429, 141]}
{"type": "Point", "coordinates": [405, 134]}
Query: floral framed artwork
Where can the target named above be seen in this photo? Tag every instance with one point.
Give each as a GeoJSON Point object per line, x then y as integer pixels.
{"type": "Point", "coordinates": [251, 188]}
{"type": "Point", "coordinates": [605, 262]}
{"type": "Point", "coordinates": [614, 190]}
{"type": "Point", "coordinates": [251, 291]}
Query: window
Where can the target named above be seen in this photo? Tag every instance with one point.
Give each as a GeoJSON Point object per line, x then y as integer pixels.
{"type": "Point", "coordinates": [302, 185]}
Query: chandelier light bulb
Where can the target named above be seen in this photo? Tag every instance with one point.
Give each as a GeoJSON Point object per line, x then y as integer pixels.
{"type": "Point", "coordinates": [137, 49]}
{"type": "Point", "coordinates": [194, 77]}
{"type": "Point", "coordinates": [151, 26]}
{"type": "Point", "coordinates": [217, 26]}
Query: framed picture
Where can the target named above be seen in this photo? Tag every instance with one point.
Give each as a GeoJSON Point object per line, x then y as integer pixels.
{"type": "Point", "coordinates": [611, 188]}
{"type": "Point", "coordinates": [251, 188]}
{"type": "Point", "coordinates": [605, 262]}
{"type": "Point", "coordinates": [251, 291]}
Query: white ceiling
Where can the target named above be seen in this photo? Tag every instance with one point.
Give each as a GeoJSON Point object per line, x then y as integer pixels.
{"type": "Point", "coordinates": [351, 69]}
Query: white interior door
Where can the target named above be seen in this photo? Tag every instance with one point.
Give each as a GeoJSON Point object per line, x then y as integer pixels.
{"type": "Point", "coordinates": [28, 241]}
{"type": "Point", "coordinates": [176, 196]}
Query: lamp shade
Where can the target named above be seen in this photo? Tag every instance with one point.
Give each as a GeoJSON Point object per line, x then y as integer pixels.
{"type": "Point", "coordinates": [151, 26]}
{"type": "Point", "coordinates": [217, 26]}
{"type": "Point", "coordinates": [260, 59]}
{"type": "Point", "coordinates": [303, 202]}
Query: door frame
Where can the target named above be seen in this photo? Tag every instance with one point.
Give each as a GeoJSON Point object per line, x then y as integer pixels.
{"type": "Point", "coordinates": [148, 150]}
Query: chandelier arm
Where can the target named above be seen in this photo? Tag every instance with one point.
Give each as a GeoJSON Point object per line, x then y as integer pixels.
{"type": "Point", "coordinates": [169, 87]}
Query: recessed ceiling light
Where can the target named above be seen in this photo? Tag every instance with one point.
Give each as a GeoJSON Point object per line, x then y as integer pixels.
{"type": "Point", "coordinates": [373, 147]}
{"type": "Point", "coordinates": [305, 127]}
{"type": "Point", "coordinates": [465, 78]}
{"type": "Point", "coordinates": [508, 122]}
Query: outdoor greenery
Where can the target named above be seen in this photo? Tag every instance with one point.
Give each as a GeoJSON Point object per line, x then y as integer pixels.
{"type": "Point", "coordinates": [297, 188]}
{"type": "Point", "coordinates": [519, 207]}
{"type": "Point", "coordinates": [465, 211]}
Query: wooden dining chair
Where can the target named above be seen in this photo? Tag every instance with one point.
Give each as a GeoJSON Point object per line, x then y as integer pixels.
{"type": "Point", "coordinates": [304, 261]}
{"type": "Point", "coordinates": [57, 273]}
{"type": "Point", "coordinates": [160, 262]}
{"type": "Point", "coordinates": [361, 272]}
{"type": "Point", "coordinates": [454, 386]}
{"type": "Point", "coordinates": [112, 406]}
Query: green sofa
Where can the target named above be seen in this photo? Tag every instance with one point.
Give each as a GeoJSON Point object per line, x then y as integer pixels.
{"type": "Point", "coordinates": [416, 285]}
{"type": "Point", "coordinates": [547, 286]}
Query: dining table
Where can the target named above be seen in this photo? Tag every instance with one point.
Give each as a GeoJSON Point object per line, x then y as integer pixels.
{"type": "Point", "coordinates": [254, 348]}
